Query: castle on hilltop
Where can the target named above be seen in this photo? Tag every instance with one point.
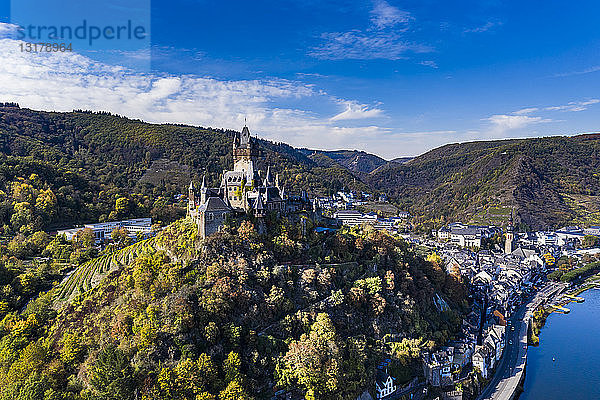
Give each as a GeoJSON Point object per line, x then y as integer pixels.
{"type": "Point", "coordinates": [243, 190]}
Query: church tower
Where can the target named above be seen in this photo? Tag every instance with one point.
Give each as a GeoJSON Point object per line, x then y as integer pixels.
{"type": "Point", "coordinates": [191, 199]}
{"type": "Point", "coordinates": [510, 236]}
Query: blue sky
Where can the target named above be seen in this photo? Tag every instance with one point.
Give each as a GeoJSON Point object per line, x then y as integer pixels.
{"type": "Point", "coordinates": [394, 78]}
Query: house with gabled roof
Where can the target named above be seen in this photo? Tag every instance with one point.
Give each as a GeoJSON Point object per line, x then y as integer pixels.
{"type": "Point", "coordinates": [385, 384]}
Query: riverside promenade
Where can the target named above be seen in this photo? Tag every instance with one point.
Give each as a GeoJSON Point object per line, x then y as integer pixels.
{"type": "Point", "coordinates": [511, 369]}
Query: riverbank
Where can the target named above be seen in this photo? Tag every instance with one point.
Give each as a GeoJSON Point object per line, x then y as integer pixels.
{"type": "Point", "coordinates": [511, 369]}
{"type": "Point", "coordinates": [538, 320]}
{"type": "Point", "coordinates": [564, 366]}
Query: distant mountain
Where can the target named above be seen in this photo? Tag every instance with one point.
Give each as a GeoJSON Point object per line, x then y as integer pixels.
{"type": "Point", "coordinates": [402, 160]}
{"type": "Point", "coordinates": [546, 181]}
{"type": "Point", "coordinates": [356, 161]}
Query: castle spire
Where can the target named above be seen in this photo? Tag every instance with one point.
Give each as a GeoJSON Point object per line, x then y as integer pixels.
{"type": "Point", "coordinates": [268, 177]}
{"type": "Point", "coordinates": [258, 204]}
{"type": "Point", "coordinates": [203, 190]}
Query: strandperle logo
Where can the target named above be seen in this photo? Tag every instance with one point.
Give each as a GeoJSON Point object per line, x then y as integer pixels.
{"type": "Point", "coordinates": [84, 31]}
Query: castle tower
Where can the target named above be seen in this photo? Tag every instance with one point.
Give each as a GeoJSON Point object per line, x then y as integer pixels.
{"type": "Point", "coordinates": [510, 236]}
{"type": "Point", "coordinates": [258, 208]}
{"type": "Point", "coordinates": [244, 153]}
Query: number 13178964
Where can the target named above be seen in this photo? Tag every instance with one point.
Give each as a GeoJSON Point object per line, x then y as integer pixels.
{"type": "Point", "coordinates": [28, 47]}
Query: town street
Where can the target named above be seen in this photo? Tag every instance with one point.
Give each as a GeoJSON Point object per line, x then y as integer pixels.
{"type": "Point", "coordinates": [512, 365]}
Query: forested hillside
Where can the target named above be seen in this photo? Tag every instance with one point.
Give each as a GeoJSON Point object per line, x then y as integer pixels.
{"type": "Point", "coordinates": [84, 162]}
{"type": "Point", "coordinates": [235, 316]}
{"type": "Point", "coordinates": [548, 182]}
{"type": "Point", "coordinates": [58, 169]}
{"type": "Point", "coordinates": [358, 162]}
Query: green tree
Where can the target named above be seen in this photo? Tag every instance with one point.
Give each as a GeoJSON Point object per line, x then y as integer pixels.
{"type": "Point", "coordinates": [22, 219]}
{"type": "Point", "coordinates": [589, 241]}
{"type": "Point", "coordinates": [231, 366]}
{"type": "Point", "coordinates": [314, 361]}
{"type": "Point", "coordinates": [46, 203]}
{"type": "Point", "coordinates": [234, 391]}
{"type": "Point", "coordinates": [111, 376]}
{"type": "Point", "coordinates": [122, 206]}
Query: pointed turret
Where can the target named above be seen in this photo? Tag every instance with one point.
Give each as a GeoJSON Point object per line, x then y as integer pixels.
{"type": "Point", "coordinates": [245, 136]}
{"type": "Point", "coordinates": [258, 207]}
{"type": "Point", "coordinates": [203, 190]}
{"type": "Point", "coordinates": [259, 211]}
{"type": "Point", "coordinates": [258, 203]}
{"type": "Point", "coordinates": [268, 179]}
{"type": "Point", "coordinates": [226, 197]}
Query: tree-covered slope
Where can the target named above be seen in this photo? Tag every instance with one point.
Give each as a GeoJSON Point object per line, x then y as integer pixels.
{"type": "Point", "coordinates": [356, 161]}
{"type": "Point", "coordinates": [235, 316]}
{"type": "Point", "coordinates": [88, 160]}
{"type": "Point", "coordinates": [547, 181]}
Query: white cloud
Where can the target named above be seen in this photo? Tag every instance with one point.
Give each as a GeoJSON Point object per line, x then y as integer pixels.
{"type": "Point", "coordinates": [589, 70]}
{"type": "Point", "coordinates": [355, 110]}
{"type": "Point", "coordinates": [358, 45]}
{"type": "Point", "coordinates": [381, 40]}
{"type": "Point", "coordinates": [384, 15]}
{"type": "Point", "coordinates": [574, 106]}
{"type": "Point", "coordinates": [67, 81]}
{"type": "Point", "coordinates": [502, 123]}
{"type": "Point", "coordinates": [8, 30]}
{"type": "Point", "coordinates": [525, 111]}
{"type": "Point", "coordinates": [429, 63]}
{"type": "Point", "coordinates": [484, 28]}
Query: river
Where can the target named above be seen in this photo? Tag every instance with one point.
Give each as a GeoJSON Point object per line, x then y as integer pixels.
{"type": "Point", "coordinates": [573, 340]}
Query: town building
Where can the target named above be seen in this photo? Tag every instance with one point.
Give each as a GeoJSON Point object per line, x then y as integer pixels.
{"type": "Point", "coordinates": [103, 230]}
{"type": "Point", "coordinates": [465, 235]}
{"type": "Point", "coordinates": [385, 384]}
{"type": "Point", "coordinates": [438, 366]}
{"type": "Point", "coordinates": [355, 217]}
{"type": "Point", "coordinates": [592, 230]}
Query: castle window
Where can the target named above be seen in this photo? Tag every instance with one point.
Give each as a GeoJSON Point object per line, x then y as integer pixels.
{"type": "Point", "coordinates": [210, 216]}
